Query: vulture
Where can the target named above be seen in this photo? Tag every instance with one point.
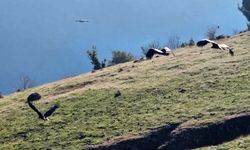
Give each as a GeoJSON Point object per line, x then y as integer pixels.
{"type": "Point", "coordinates": [164, 51]}
{"type": "Point", "coordinates": [82, 21]}
{"type": "Point", "coordinates": [43, 116]}
{"type": "Point", "coordinates": [215, 45]}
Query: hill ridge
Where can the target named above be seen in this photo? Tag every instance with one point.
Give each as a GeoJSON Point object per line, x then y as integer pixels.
{"type": "Point", "coordinates": [213, 85]}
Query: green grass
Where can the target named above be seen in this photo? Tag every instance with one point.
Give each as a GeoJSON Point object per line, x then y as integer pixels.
{"type": "Point", "coordinates": [216, 85]}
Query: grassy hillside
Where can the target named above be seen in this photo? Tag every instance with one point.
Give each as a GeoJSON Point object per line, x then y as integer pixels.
{"type": "Point", "coordinates": [198, 84]}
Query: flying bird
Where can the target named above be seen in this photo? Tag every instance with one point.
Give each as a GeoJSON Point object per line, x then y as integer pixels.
{"type": "Point", "coordinates": [215, 45]}
{"type": "Point", "coordinates": [164, 51]}
{"type": "Point", "coordinates": [81, 21]}
{"type": "Point", "coordinates": [40, 114]}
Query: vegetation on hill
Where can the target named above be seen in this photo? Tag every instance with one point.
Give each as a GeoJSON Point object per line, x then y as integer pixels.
{"type": "Point", "coordinates": [245, 9]}
{"type": "Point", "coordinates": [197, 84]}
{"type": "Point", "coordinates": [92, 54]}
{"type": "Point", "coordinates": [119, 56]}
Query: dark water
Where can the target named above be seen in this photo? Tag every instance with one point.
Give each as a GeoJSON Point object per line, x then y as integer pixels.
{"type": "Point", "coordinates": [42, 40]}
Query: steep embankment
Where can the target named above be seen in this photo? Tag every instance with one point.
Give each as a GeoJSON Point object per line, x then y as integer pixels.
{"type": "Point", "coordinates": [196, 85]}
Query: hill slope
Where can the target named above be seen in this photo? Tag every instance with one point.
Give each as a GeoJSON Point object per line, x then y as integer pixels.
{"type": "Point", "coordinates": [196, 85]}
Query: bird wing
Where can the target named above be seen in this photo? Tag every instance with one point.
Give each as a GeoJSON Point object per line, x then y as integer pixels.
{"type": "Point", "coordinates": [203, 42]}
{"type": "Point", "coordinates": [166, 49]}
{"type": "Point", "coordinates": [226, 47]}
{"type": "Point", "coordinates": [50, 111]}
{"type": "Point", "coordinates": [35, 109]}
{"type": "Point", "coordinates": [157, 51]}
{"type": "Point", "coordinates": [212, 42]}
{"type": "Point", "coordinates": [33, 97]}
{"type": "Point", "coordinates": [209, 41]}
{"type": "Point", "coordinates": [151, 52]}
{"type": "Point", "coordinates": [216, 46]}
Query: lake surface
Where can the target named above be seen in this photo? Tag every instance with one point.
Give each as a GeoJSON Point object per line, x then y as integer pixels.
{"type": "Point", "coordinates": [40, 38]}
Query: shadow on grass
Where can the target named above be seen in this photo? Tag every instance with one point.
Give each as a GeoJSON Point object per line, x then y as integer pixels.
{"type": "Point", "coordinates": [149, 141]}
{"type": "Point", "coordinates": [180, 137]}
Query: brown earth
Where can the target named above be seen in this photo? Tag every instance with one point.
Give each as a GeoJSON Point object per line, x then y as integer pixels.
{"type": "Point", "coordinates": [185, 135]}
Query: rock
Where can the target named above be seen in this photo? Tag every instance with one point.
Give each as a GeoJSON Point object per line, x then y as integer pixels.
{"type": "Point", "coordinates": [138, 60]}
{"type": "Point", "coordinates": [120, 70]}
{"type": "Point", "coordinates": [198, 116]}
{"type": "Point", "coordinates": [81, 135]}
{"type": "Point", "coordinates": [181, 90]}
{"type": "Point", "coordinates": [117, 93]}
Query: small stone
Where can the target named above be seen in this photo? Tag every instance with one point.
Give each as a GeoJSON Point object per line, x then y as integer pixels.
{"type": "Point", "coordinates": [197, 116]}
{"type": "Point", "coordinates": [120, 70]}
{"type": "Point", "coordinates": [181, 90]}
{"type": "Point", "coordinates": [81, 135]}
{"type": "Point", "coordinates": [117, 93]}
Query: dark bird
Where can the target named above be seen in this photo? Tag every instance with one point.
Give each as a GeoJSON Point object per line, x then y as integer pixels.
{"type": "Point", "coordinates": [35, 96]}
{"type": "Point", "coordinates": [82, 21]}
{"type": "Point", "coordinates": [164, 51]}
{"type": "Point", "coordinates": [215, 45]}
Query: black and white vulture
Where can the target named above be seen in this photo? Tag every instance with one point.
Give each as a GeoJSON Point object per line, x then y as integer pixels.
{"type": "Point", "coordinates": [215, 45]}
{"type": "Point", "coordinates": [43, 116]}
{"type": "Point", "coordinates": [164, 51]}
